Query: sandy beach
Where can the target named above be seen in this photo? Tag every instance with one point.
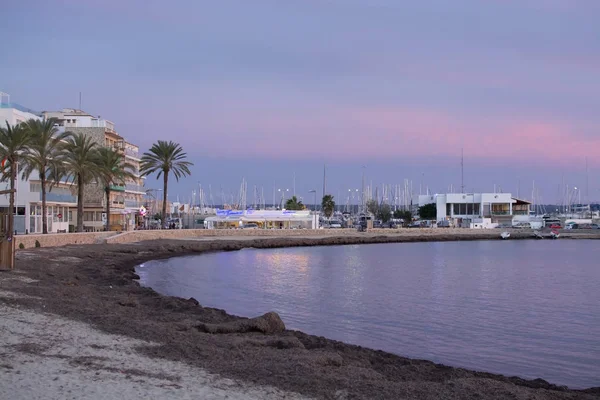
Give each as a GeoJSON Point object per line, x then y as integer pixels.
{"type": "Point", "coordinates": [76, 324]}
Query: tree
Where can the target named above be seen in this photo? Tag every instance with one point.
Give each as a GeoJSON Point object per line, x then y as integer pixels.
{"type": "Point", "coordinates": [372, 207]}
{"type": "Point", "coordinates": [404, 215]}
{"type": "Point", "coordinates": [112, 170]}
{"type": "Point", "coordinates": [163, 158]}
{"type": "Point", "coordinates": [14, 142]}
{"type": "Point", "coordinates": [294, 204]}
{"type": "Point", "coordinates": [428, 211]}
{"type": "Point", "coordinates": [80, 163]}
{"type": "Point", "coordinates": [384, 213]}
{"type": "Point", "coordinates": [42, 155]}
{"type": "Point", "coordinates": [328, 205]}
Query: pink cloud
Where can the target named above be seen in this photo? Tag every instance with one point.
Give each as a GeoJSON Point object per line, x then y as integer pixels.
{"type": "Point", "coordinates": [347, 133]}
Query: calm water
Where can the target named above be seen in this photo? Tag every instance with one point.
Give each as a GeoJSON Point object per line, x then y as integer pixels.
{"type": "Point", "coordinates": [527, 308]}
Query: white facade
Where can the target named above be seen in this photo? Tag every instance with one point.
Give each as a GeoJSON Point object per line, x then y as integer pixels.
{"type": "Point", "coordinates": [28, 205]}
{"type": "Point", "coordinates": [14, 113]}
{"type": "Point", "coordinates": [265, 219]}
{"type": "Point", "coordinates": [72, 118]}
{"type": "Point", "coordinates": [28, 202]}
{"type": "Point", "coordinates": [480, 210]}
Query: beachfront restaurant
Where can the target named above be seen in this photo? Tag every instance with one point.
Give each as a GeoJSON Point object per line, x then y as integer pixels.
{"type": "Point", "coordinates": [264, 219]}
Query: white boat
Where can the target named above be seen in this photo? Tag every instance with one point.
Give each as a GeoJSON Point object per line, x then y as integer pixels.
{"type": "Point", "coordinates": [554, 235]}
{"type": "Point", "coordinates": [505, 235]}
{"type": "Point", "coordinates": [538, 235]}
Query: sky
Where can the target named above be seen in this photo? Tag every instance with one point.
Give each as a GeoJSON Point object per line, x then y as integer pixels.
{"type": "Point", "coordinates": [267, 89]}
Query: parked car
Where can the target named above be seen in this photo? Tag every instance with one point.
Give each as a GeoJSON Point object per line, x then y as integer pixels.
{"type": "Point", "coordinates": [595, 226]}
{"type": "Point", "coordinates": [251, 225]}
{"type": "Point", "coordinates": [555, 226]}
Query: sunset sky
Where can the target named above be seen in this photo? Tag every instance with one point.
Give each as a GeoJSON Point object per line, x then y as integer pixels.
{"type": "Point", "coordinates": [264, 89]}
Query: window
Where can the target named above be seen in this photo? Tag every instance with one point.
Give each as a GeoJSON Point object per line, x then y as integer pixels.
{"type": "Point", "coordinates": [88, 216]}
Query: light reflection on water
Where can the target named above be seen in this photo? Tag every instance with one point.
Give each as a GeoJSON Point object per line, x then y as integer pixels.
{"type": "Point", "coordinates": [527, 308]}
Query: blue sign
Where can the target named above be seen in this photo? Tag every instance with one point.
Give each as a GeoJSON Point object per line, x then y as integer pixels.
{"type": "Point", "coordinates": [225, 213]}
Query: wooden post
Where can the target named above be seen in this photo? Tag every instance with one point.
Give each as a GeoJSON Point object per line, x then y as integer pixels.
{"type": "Point", "coordinates": [7, 246]}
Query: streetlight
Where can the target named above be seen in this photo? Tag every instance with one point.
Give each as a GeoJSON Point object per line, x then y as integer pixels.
{"type": "Point", "coordinates": [315, 203]}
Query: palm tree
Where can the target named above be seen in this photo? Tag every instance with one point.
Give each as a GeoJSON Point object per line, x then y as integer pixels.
{"type": "Point", "coordinates": [328, 205]}
{"type": "Point", "coordinates": [113, 170]}
{"type": "Point", "coordinates": [79, 163]}
{"type": "Point", "coordinates": [165, 157]}
{"type": "Point", "coordinates": [14, 141]}
{"type": "Point", "coordinates": [43, 156]}
{"type": "Point", "coordinates": [294, 204]}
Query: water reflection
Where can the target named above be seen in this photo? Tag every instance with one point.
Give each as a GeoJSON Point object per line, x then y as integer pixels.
{"type": "Point", "coordinates": [517, 307]}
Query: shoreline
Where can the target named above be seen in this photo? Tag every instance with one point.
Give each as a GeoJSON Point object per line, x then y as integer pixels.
{"type": "Point", "coordinates": [96, 284]}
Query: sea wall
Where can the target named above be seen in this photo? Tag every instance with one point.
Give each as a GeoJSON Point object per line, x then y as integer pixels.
{"type": "Point", "coordinates": [61, 239]}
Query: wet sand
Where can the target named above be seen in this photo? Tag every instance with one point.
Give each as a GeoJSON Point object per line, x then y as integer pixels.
{"type": "Point", "coordinates": [96, 285]}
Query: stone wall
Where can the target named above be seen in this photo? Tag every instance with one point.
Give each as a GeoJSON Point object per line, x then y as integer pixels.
{"type": "Point", "coordinates": [138, 236]}
{"type": "Point", "coordinates": [62, 239]}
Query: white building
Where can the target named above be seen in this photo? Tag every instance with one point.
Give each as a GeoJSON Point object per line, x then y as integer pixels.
{"type": "Point", "coordinates": [476, 210]}
{"type": "Point", "coordinates": [265, 219]}
{"type": "Point", "coordinates": [14, 113]}
{"type": "Point", "coordinates": [28, 201]}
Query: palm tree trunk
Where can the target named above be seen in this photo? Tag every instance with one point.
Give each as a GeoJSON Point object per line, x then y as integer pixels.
{"type": "Point", "coordinates": [164, 205]}
{"type": "Point", "coordinates": [11, 206]}
{"type": "Point", "coordinates": [44, 207]}
{"type": "Point", "coordinates": [107, 191]}
{"type": "Point", "coordinates": [79, 203]}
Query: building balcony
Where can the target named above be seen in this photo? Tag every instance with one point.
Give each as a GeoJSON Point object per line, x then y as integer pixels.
{"type": "Point", "coordinates": [131, 187]}
{"type": "Point", "coordinates": [133, 203]}
{"type": "Point", "coordinates": [117, 188]}
{"type": "Point", "coordinates": [132, 153]}
{"type": "Point", "coordinates": [102, 123]}
{"type": "Point", "coordinates": [117, 204]}
{"type": "Point", "coordinates": [59, 198]}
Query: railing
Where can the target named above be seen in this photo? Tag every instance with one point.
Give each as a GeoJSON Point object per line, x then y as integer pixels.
{"type": "Point", "coordinates": [500, 212]}
{"type": "Point", "coordinates": [60, 197]}
{"type": "Point", "coordinates": [132, 153]}
{"type": "Point", "coordinates": [20, 108]}
{"type": "Point", "coordinates": [117, 188]}
{"type": "Point", "coordinates": [133, 203]}
{"type": "Point", "coordinates": [102, 123]}
{"type": "Point", "coordinates": [135, 188]}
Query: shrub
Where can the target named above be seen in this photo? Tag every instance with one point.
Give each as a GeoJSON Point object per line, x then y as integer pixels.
{"type": "Point", "coordinates": [21, 246]}
{"type": "Point", "coordinates": [37, 243]}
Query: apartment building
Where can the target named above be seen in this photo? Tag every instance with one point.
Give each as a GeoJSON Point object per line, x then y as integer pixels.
{"type": "Point", "coordinates": [60, 201]}
{"type": "Point", "coordinates": [127, 197]}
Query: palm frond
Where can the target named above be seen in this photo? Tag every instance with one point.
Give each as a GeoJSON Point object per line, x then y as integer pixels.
{"type": "Point", "coordinates": [164, 157]}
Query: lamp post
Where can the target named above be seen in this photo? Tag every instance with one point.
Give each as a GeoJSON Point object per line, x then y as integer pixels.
{"type": "Point", "coordinates": [315, 204]}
